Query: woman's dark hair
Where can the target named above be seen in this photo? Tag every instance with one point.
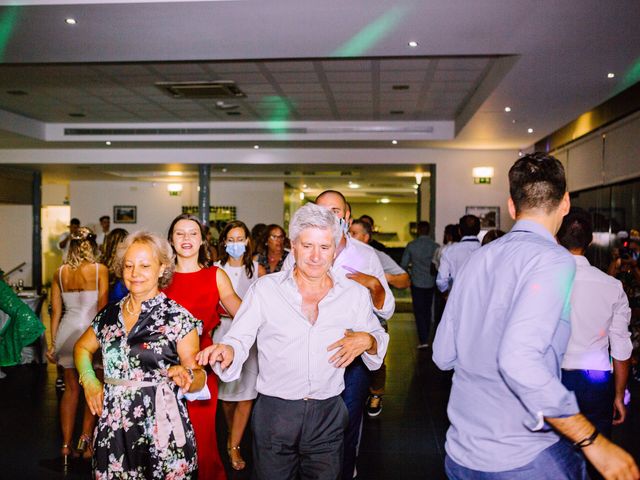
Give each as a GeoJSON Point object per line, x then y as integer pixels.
{"type": "Point", "coordinates": [110, 247]}
{"type": "Point", "coordinates": [451, 231]}
{"type": "Point", "coordinates": [267, 232]}
{"type": "Point", "coordinates": [492, 235]}
{"type": "Point", "coordinates": [203, 253]}
{"type": "Point", "coordinates": [223, 256]}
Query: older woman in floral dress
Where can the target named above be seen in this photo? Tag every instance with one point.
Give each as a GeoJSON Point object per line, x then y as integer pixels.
{"type": "Point", "coordinates": [148, 344]}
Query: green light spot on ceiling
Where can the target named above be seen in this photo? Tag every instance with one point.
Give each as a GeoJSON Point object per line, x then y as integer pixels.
{"type": "Point", "coordinates": [279, 111]}
{"type": "Point", "coordinates": [8, 20]}
{"type": "Point", "coordinates": [371, 34]}
{"type": "Point", "coordinates": [632, 75]}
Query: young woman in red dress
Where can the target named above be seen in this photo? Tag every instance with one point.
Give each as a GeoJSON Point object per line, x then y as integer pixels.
{"type": "Point", "coordinates": [199, 287]}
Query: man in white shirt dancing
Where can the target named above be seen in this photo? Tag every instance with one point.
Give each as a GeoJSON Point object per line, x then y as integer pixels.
{"type": "Point", "coordinates": [600, 317]}
{"type": "Point", "coordinates": [309, 325]}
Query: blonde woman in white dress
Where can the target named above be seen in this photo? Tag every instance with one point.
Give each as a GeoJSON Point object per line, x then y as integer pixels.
{"type": "Point", "coordinates": [236, 259]}
{"type": "Point", "coordinates": [81, 286]}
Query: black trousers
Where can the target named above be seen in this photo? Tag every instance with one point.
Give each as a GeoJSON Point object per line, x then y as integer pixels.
{"type": "Point", "coordinates": [298, 439]}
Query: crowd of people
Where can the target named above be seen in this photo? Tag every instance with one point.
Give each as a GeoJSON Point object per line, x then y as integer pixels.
{"type": "Point", "coordinates": [288, 330]}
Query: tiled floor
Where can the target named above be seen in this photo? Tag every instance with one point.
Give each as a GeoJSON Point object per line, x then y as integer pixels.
{"type": "Point", "coordinates": [405, 442]}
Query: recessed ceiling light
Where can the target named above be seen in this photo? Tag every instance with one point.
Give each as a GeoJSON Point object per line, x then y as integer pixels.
{"type": "Point", "coordinates": [70, 21]}
{"type": "Point", "coordinates": [529, 130]}
{"type": "Point", "coordinates": [107, 142]}
{"type": "Point", "coordinates": [304, 185]}
{"type": "Point", "coordinates": [396, 112]}
{"type": "Point", "coordinates": [224, 170]}
{"type": "Point", "coordinates": [507, 109]}
{"type": "Point", "coordinates": [256, 147]}
{"type": "Point", "coordinates": [611, 75]}
{"type": "Point", "coordinates": [400, 87]}
{"type": "Point", "coordinates": [354, 185]}
{"type": "Point", "coordinates": [384, 200]}
{"type": "Point", "coordinates": [175, 173]}
{"type": "Point", "coordinates": [413, 44]}
{"type": "Point", "coordinates": [394, 142]}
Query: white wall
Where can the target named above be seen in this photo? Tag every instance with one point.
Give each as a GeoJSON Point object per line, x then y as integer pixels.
{"type": "Point", "coordinates": [15, 248]}
{"type": "Point", "coordinates": [256, 201]}
{"type": "Point", "coordinates": [90, 200]}
{"type": "Point", "coordinates": [390, 217]}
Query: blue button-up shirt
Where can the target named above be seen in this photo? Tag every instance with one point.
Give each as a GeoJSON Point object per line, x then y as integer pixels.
{"type": "Point", "coordinates": [504, 332]}
{"type": "Point", "coordinates": [417, 260]}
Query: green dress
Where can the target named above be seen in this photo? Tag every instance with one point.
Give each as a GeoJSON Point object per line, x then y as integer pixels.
{"type": "Point", "coordinates": [22, 329]}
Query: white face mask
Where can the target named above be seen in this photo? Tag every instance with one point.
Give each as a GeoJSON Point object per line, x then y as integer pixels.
{"type": "Point", "coordinates": [236, 250]}
{"type": "Point", "coordinates": [344, 226]}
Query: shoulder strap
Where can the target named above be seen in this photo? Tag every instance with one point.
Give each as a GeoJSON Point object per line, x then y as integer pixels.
{"type": "Point", "coordinates": [97, 265]}
{"type": "Point", "coordinates": [60, 278]}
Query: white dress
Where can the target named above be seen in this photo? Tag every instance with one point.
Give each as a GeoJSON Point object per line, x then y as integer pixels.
{"type": "Point", "coordinates": [244, 388]}
{"type": "Point", "coordinates": [80, 308]}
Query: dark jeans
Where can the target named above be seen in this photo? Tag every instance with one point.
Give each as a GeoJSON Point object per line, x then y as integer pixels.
{"type": "Point", "coordinates": [595, 393]}
{"type": "Point", "coordinates": [558, 462]}
{"type": "Point", "coordinates": [298, 439]}
{"type": "Point", "coordinates": [422, 299]}
{"type": "Point", "coordinates": [354, 395]}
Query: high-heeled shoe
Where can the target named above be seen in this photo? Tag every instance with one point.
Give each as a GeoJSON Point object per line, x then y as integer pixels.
{"type": "Point", "coordinates": [67, 452]}
{"type": "Point", "coordinates": [85, 446]}
{"type": "Point", "coordinates": [238, 462]}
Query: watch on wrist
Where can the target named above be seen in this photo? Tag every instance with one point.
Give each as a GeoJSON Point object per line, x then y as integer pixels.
{"type": "Point", "coordinates": [192, 376]}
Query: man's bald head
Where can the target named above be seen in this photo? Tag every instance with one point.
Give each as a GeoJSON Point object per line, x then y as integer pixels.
{"type": "Point", "coordinates": [334, 201]}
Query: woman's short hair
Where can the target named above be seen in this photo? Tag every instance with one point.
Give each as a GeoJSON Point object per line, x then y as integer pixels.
{"type": "Point", "coordinates": [82, 248]}
{"type": "Point", "coordinates": [314, 216]}
{"type": "Point", "coordinates": [161, 250]}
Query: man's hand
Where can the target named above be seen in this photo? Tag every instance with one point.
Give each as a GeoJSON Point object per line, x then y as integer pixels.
{"type": "Point", "coordinates": [619, 411]}
{"type": "Point", "coordinates": [352, 345]}
{"type": "Point", "coordinates": [371, 283]}
{"type": "Point", "coordinates": [216, 353]}
{"type": "Point", "coordinates": [611, 461]}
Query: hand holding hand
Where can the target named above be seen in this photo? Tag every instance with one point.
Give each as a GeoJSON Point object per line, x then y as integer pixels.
{"type": "Point", "coordinates": [216, 353]}
{"type": "Point", "coordinates": [51, 354]}
{"type": "Point", "coordinates": [352, 345]}
{"type": "Point", "coordinates": [180, 377]}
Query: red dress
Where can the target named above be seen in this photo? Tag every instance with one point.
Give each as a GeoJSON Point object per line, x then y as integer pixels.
{"type": "Point", "coordinates": [198, 293]}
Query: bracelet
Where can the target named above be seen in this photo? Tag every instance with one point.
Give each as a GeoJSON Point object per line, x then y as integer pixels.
{"type": "Point", "coordinates": [192, 375]}
{"type": "Point", "coordinates": [83, 374]}
{"type": "Point", "coordinates": [585, 442]}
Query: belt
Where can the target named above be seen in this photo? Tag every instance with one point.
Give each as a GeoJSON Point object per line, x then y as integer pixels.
{"type": "Point", "coordinates": [167, 412]}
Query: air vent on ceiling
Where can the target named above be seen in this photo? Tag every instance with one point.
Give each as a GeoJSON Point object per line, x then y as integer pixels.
{"type": "Point", "coordinates": [209, 89]}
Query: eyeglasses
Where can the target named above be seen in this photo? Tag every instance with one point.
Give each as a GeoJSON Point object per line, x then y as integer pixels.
{"type": "Point", "coordinates": [276, 237]}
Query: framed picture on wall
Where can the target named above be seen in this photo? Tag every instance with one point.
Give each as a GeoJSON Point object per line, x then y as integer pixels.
{"type": "Point", "coordinates": [489, 216]}
{"type": "Point", "coordinates": [125, 214]}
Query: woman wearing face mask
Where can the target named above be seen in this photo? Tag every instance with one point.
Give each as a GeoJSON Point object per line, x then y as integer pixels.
{"type": "Point", "coordinates": [198, 287]}
{"type": "Point", "coordinates": [235, 254]}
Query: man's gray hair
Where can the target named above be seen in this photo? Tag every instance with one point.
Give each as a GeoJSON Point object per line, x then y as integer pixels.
{"type": "Point", "coordinates": [314, 216]}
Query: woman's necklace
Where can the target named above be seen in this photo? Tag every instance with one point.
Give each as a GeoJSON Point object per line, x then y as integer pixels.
{"type": "Point", "coordinates": [129, 309]}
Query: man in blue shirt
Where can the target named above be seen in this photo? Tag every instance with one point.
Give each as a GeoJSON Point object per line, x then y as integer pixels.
{"type": "Point", "coordinates": [416, 259]}
{"type": "Point", "coordinates": [504, 332]}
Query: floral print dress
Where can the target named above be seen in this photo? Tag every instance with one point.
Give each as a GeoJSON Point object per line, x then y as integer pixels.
{"type": "Point", "coordinates": [144, 431]}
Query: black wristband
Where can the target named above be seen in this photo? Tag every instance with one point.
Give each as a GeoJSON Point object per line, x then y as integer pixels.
{"type": "Point", "coordinates": [585, 442]}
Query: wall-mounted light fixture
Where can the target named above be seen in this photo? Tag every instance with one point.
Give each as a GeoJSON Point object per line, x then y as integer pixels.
{"type": "Point", "coordinates": [482, 175]}
{"type": "Point", "coordinates": [174, 189]}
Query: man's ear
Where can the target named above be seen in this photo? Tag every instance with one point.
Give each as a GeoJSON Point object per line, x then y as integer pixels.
{"type": "Point", "coordinates": [565, 204]}
{"type": "Point", "coordinates": [512, 208]}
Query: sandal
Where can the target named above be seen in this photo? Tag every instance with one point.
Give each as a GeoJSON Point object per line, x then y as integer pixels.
{"type": "Point", "coordinates": [237, 462]}
{"type": "Point", "coordinates": [85, 446]}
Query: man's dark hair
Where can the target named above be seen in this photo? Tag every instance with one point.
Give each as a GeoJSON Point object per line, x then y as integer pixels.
{"type": "Point", "coordinates": [368, 219]}
{"type": "Point", "coordinates": [334, 192]}
{"type": "Point", "coordinates": [423, 228]}
{"type": "Point", "coordinates": [104, 217]}
{"type": "Point", "coordinates": [365, 226]}
{"type": "Point", "coordinates": [452, 231]}
{"type": "Point", "coordinates": [576, 231]}
{"type": "Point", "coordinates": [536, 181]}
{"type": "Point", "coordinates": [469, 225]}
{"type": "Point", "coordinates": [74, 221]}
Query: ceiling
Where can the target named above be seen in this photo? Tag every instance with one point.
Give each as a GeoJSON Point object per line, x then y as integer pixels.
{"type": "Point", "coordinates": [326, 69]}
